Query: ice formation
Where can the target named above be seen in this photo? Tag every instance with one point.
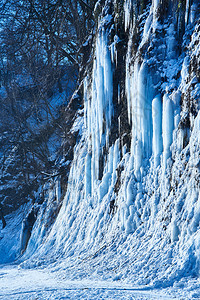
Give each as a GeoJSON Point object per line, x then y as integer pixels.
{"type": "Point", "coordinates": [140, 205]}
{"type": "Point", "coordinates": [98, 107]}
{"type": "Point", "coordinates": [167, 126]}
{"type": "Point", "coordinates": [157, 128]}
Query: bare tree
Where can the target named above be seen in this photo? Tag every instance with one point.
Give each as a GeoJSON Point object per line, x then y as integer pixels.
{"type": "Point", "coordinates": [39, 54]}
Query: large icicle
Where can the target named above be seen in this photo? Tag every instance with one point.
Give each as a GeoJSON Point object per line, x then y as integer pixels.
{"type": "Point", "coordinates": [88, 175]}
{"type": "Point", "coordinates": [157, 129]}
{"type": "Point", "coordinates": [139, 91]}
{"type": "Point", "coordinates": [98, 108]}
{"type": "Point", "coordinates": [168, 126]}
{"type": "Point", "coordinates": [155, 4]}
{"type": "Point", "coordinates": [127, 15]}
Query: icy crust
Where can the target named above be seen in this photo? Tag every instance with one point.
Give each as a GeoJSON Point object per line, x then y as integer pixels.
{"type": "Point", "coordinates": [140, 222]}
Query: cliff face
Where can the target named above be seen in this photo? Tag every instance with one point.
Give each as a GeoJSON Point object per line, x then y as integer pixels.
{"type": "Point", "coordinates": [132, 206]}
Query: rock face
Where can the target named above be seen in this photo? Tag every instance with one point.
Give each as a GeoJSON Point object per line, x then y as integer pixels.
{"type": "Point", "coordinates": [132, 205]}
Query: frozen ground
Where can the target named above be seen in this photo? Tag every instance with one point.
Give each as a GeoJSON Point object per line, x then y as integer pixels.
{"type": "Point", "coordinates": [17, 283]}
{"type": "Point", "coordinates": [68, 279]}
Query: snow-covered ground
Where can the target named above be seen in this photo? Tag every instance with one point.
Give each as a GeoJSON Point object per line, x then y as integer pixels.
{"type": "Point", "coordinates": [71, 278]}
{"type": "Point", "coordinates": [17, 283]}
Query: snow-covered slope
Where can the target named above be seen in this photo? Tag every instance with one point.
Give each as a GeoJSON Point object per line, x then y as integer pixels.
{"type": "Point", "coordinates": [132, 206]}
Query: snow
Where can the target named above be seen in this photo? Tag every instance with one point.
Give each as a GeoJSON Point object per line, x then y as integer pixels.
{"type": "Point", "coordinates": [16, 283]}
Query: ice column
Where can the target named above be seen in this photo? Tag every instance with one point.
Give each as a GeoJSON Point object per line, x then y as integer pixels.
{"type": "Point", "coordinates": [88, 175]}
{"type": "Point", "coordinates": [127, 9]}
{"type": "Point", "coordinates": [58, 189]}
{"type": "Point", "coordinates": [116, 160]}
{"type": "Point", "coordinates": [138, 160]}
{"type": "Point", "coordinates": [155, 4]}
{"type": "Point", "coordinates": [141, 99]}
{"type": "Point", "coordinates": [140, 92]}
{"type": "Point", "coordinates": [98, 108]}
{"type": "Point", "coordinates": [168, 126]}
{"type": "Point", "coordinates": [157, 129]}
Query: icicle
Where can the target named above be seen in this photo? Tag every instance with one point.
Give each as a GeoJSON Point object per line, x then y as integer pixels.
{"type": "Point", "coordinates": [138, 160]}
{"type": "Point", "coordinates": [119, 98]}
{"type": "Point", "coordinates": [86, 102]}
{"type": "Point", "coordinates": [139, 92]}
{"type": "Point", "coordinates": [147, 26]}
{"type": "Point", "coordinates": [171, 42]}
{"type": "Point", "coordinates": [127, 10]}
{"type": "Point", "coordinates": [176, 98]}
{"type": "Point", "coordinates": [110, 159]}
{"type": "Point", "coordinates": [112, 52]}
{"type": "Point", "coordinates": [174, 231]}
{"type": "Point", "coordinates": [130, 193]}
{"type": "Point", "coordinates": [124, 150]}
{"type": "Point", "coordinates": [128, 93]}
{"type": "Point", "coordinates": [142, 105]}
{"type": "Point", "coordinates": [88, 186]}
{"type": "Point", "coordinates": [58, 189]}
{"type": "Point", "coordinates": [108, 84]}
{"type": "Point", "coordinates": [104, 186]}
{"type": "Point", "coordinates": [135, 113]}
{"type": "Point", "coordinates": [116, 160]}
{"type": "Point", "coordinates": [193, 10]}
{"type": "Point", "coordinates": [187, 11]}
{"type": "Point", "coordinates": [141, 108]}
{"type": "Point", "coordinates": [116, 157]}
{"type": "Point", "coordinates": [99, 108]}
{"type": "Point", "coordinates": [168, 126]}
{"type": "Point", "coordinates": [157, 129]}
{"type": "Point", "coordinates": [99, 82]}
{"type": "Point", "coordinates": [155, 4]}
